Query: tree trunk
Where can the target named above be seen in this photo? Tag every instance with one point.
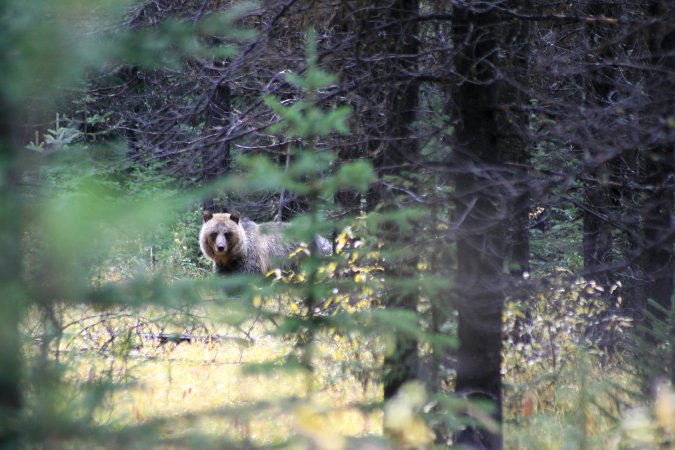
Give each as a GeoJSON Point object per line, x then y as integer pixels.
{"type": "Point", "coordinates": [401, 107]}
{"type": "Point", "coordinates": [659, 264]}
{"type": "Point", "coordinates": [480, 209]}
{"type": "Point", "coordinates": [515, 145]}
{"type": "Point", "coordinates": [10, 279]}
{"type": "Point", "coordinates": [658, 258]}
{"type": "Point", "coordinates": [600, 198]}
{"type": "Point", "coordinates": [597, 237]}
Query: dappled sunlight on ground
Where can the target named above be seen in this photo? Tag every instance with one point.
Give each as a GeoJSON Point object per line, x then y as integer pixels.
{"type": "Point", "coordinates": [204, 388]}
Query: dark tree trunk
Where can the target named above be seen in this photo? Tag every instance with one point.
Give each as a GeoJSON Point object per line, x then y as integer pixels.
{"type": "Point", "coordinates": [512, 122]}
{"type": "Point", "coordinates": [392, 145]}
{"type": "Point", "coordinates": [658, 258]}
{"type": "Point", "coordinates": [600, 197]}
{"type": "Point", "coordinates": [394, 153]}
{"type": "Point", "coordinates": [480, 210]}
{"type": "Point", "coordinates": [659, 264]}
{"type": "Point", "coordinates": [597, 237]}
{"type": "Point", "coordinates": [519, 241]}
{"type": "Point", "coordinates": [514, 144]}
{"type": "Point", "coordinates": [10, 279]}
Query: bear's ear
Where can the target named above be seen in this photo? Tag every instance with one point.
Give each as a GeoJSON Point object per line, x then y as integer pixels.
{"type": "Point", "coordinates": [207, 215]}
{"type": "Point", "coordinates": [235, 216]}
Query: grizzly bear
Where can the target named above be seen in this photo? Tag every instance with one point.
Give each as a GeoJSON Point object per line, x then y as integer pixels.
{"type": "Point", "coordinates": [239, 245]}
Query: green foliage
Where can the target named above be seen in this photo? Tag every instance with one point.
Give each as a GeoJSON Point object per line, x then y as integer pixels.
{"type": "Point", "coordinates": [655, 340]}
{"type": "Point", "coordinates": [310, 173]}
{"type": "Point", "coordinates": [48, 54]}
{"type": "Point", "coordinates": [564, 318]}
{"type": "Point", "coordinates": [111, 244]}
{"type": "Point", "coordinates": [568, 387]}
{"type": "Point", "coordinates": [112, 284]}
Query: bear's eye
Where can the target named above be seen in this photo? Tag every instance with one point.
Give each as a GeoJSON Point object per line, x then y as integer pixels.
{"type": "Point", "coordinates": [228, 235]}
{"type": "Point", "coordinates": [214, 235]}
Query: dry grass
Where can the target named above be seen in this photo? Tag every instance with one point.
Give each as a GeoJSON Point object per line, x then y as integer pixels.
{"type": "Point", "coordinates": [204, 388]}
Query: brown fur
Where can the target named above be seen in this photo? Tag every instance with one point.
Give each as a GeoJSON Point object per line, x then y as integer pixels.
{"type": "Point", "coordinates": [240, 245]}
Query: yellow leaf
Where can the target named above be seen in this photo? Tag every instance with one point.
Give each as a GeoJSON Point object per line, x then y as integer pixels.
{"type": "Point", "coordinates": [312, 423]}
{"type": "Point", "coordinates": [664, 407]}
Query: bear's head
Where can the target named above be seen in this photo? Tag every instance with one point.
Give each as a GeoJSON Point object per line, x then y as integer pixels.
{"type": "Point", "coordinates": [222, 237]}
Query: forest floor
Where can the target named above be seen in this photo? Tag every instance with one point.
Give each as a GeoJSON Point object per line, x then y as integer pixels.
{"type": "Point", "coordinates": [231, 389]}
{"type": "Point", "coordinates": [237, 388]}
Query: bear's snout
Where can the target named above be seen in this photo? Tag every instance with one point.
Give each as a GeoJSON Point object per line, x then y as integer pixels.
{"type": "Point", "coordinates": [221, 244]}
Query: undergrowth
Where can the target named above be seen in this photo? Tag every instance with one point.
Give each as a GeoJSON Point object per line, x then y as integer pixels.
{"type": "Point", "coordinates": [215, 370]}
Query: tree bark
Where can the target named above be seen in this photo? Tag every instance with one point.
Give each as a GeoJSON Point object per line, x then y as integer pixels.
{"type": "Point", "coordinates": [658, 258]}
{"type": "Point", "coordinates": [659, 229]}
{"type": "Point", "coordinates": [394, 153]}
{"type": "Point", "coordinates": [600, 198]}
{"type": "Point", "coordinates": [480, 210]}
{"type": "Point", "coordinates": [10, 278]}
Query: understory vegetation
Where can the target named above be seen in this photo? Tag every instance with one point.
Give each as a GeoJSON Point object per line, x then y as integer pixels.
{"type": "Point", "coordinates": [496, 178]}
{"type": "Point", "coordinates": [201, 374]}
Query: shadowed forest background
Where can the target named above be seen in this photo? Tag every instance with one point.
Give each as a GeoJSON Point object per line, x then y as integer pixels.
{"type": "Point", "coordinates": [497, 179]}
